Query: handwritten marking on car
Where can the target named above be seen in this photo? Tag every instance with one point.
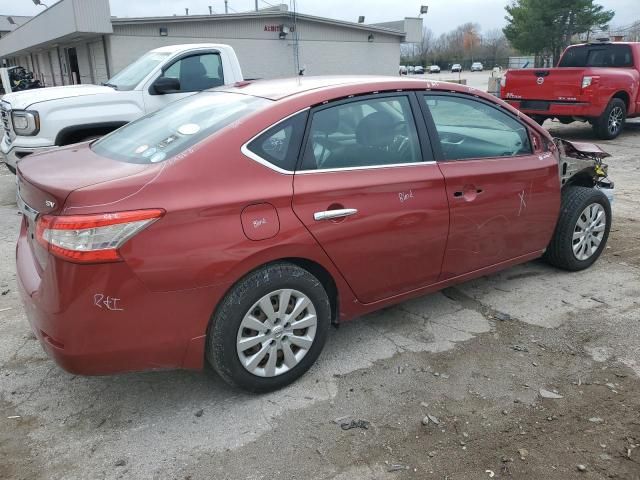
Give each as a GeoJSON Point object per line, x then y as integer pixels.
{"type": "Point", "coordinates": [404, 196]}
{"type": "Point", "coordinates": [542, 156]}
{"type": "Point", "coordinates": [259, 222]}
{"type": "Point", "coordinates": [523, 201]}
{"type": "Point", "coordinates": [110, 303]}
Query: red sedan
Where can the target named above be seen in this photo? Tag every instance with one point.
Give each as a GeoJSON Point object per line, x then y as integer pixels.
{"type": "Point", "coordinates": [235, 226]}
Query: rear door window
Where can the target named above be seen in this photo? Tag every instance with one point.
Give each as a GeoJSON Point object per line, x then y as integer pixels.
{"type": "Point", "coordinates": [374, 132]}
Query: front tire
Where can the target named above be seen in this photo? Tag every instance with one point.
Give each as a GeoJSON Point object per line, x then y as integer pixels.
{"type": "Point", "coordinates": [269, 329]}
{"type": "Point", "coordinates": [582, 230]}
{"type": "Point", "coordinates": [611, 123]}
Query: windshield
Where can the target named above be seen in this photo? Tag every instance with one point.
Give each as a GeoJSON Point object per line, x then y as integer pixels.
{"type": "Point", "coordinates": [605, 55]}
{"type": "Point", "coordinates": [132, 75]}
{"type": "Point", "coordinates": [175, 128]}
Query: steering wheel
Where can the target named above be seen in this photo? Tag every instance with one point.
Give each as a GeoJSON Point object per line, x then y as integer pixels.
{"type": "Point", "coordinates": [401, 144]}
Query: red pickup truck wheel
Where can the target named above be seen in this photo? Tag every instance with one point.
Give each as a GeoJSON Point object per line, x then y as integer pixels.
{"type": "Point", "coordinates": [610, 124]}
{"type": "Point", "coordinates": [582, 230]}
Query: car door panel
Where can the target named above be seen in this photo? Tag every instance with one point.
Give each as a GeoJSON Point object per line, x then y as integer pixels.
{"type": "Point", "coordinates": [396, 240]}
{"type": "Point", "coordinates": [503, 204]}
{"type": "Point", "coordinates": [391, 234]}
{"type": "Point", "coordinates": [507, 209]}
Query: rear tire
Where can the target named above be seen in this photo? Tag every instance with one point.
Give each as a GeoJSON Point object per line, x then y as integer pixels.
{"type": "Point", "coordinates": [582, 230]}
{"type": "Point", "coordinates": [257, 347]}
{"type": "Point", "coordinates": [611, 123]}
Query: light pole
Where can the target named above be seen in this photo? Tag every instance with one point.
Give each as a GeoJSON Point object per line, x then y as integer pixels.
{"type": "Point", "coordinates": [39, 3]}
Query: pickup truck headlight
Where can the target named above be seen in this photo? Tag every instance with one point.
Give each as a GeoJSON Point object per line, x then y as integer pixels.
{"type": "Point", "coordinates": [25, 122]}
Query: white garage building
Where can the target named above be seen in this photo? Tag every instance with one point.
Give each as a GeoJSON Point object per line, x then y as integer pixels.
{"type": "Point", "coordinates": [78, 41]}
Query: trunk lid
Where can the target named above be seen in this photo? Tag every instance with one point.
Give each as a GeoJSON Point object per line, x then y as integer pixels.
{"type": "Point", "coordinates": [550, 84]}
{"type": "Point", "coordinates": [46, 180]}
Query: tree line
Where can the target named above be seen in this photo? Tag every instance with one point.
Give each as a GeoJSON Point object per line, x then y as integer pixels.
{"type": "Point", "coordinates": [541, 28]}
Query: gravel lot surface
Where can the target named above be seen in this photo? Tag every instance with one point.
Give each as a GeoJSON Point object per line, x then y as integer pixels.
{"type": "Point", "coordinates": [476, 360]}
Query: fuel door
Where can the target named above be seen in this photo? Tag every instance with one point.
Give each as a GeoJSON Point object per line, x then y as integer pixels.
{"type": "Point", "coordinates": [260, 221]}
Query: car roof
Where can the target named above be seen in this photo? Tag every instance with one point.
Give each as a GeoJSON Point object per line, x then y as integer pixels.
{"type": "Point", "coordinates": [285, 87]}
{"type": "Point", "coordinates": [324, 86]}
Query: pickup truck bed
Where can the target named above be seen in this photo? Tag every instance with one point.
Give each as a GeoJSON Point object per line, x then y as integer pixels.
{"type": "Point", "coordinates": [597, 83]}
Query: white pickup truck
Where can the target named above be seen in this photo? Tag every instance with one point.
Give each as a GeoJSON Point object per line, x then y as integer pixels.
{"type": "Point", "coordinates": [40, 119]}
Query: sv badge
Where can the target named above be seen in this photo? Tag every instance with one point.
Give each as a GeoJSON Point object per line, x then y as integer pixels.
{"type": "Point", "coordinates": [49, 204]}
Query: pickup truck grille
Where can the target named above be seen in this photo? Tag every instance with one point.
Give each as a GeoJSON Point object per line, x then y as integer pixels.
{"type": "Point", "coordinates": [5, 116]}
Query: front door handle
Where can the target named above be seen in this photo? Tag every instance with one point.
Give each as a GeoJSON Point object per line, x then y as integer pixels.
{"type": "Point", "coordinates": [333, 214]}
{"type": "Point", "coordinates": [469, 192]}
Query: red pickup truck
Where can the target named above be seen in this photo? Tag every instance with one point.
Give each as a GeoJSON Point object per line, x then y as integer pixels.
{"type": "Point", "coordinates": [594, 82]}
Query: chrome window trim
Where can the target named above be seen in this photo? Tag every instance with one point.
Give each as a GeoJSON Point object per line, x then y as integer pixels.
{"type": "Point", "coordinates": [370, 167]}
{"type": "Point", "coordinates": [257, 158]}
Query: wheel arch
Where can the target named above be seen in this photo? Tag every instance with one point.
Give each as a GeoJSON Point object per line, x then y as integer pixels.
{"type": "Point", "coordinates": [314, 267]}
{"type": "Point", "coordinates": [624, 96]}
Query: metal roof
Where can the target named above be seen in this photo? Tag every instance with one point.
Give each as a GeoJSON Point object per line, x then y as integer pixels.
{"type": "Point", "coordinates": [5, 26]}
{"type": "Point", "coordinates": [258, 15]}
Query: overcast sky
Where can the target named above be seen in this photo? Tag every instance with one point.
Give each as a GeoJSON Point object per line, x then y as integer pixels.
{"type": "Point", "coordinates": [443, 15]}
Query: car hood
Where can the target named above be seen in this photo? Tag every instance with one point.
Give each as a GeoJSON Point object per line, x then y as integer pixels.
{"type": "Point", "coordinates": [22, 100]}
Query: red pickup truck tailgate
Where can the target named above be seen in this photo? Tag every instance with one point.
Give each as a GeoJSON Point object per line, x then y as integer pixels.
{"type": "Point", "coordinates": [550, 84]}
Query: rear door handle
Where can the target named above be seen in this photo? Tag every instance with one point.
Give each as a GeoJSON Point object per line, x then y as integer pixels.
{"type": "Point", "coordinates": [333, 214]}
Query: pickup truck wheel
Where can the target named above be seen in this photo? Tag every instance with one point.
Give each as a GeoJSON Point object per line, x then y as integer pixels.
{"type": "Point", "coordinates": [610, 124]}
{"type": "Point", "coordinates": [582, 230]}
{"type": "Point", "coordinates": [269, 329]}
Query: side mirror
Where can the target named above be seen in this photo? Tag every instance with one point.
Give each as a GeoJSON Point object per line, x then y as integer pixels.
{"type": "Point", "coordinates": [164, 85]}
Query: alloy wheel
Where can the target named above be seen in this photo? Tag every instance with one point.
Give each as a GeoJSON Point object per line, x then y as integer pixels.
{"type": "Point", "coordinates": [589, 231]}
{"type": "Point", "coordinates": [276, 333]}
{"type": "Point", "coordinates": [616, 118]}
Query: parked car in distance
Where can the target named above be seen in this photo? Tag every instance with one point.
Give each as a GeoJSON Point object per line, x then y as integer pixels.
{"type": "Point", "coordinates": [434, 69]}
{"type": "Point", "coordinates": [411, 69]}
{"type": "Point", "coordinates": [477, 67]}
{"type": "Point", "coordinates": [418, 70]}
{"type": "Point", "coordinates": [234, 226]}
{"type": "Point", "coordinates": [37, 120]}
{"type": "Point", "coordinates": [403, 70]}
{"type": "Point", "coordinates": [456, 67]}
{"type": "Point", "coordinates": [594, 82]}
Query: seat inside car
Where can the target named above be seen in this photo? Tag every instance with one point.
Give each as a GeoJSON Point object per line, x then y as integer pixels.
{"type": "Point", "coordinates": [374, 137]}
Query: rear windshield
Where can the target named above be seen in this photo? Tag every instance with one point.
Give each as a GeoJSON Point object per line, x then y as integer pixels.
{"type": "Point", "coordinates": [597, 56]}
{"type": "Point", "coordinates": [176, 127]}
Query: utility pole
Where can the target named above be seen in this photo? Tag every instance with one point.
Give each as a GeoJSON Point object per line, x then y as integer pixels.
{"type": "Point", "coordinates": [210, 10]}
{"type": "Point", "coordinates": [226, 6]}
{"type": "Point", "coordinates": [256, 5]}
{"type": "Point", "coordinates": [186, 11]}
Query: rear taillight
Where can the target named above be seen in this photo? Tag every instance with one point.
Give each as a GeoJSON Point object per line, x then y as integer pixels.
{"type": "Point", "coordinates": [92, 238]}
